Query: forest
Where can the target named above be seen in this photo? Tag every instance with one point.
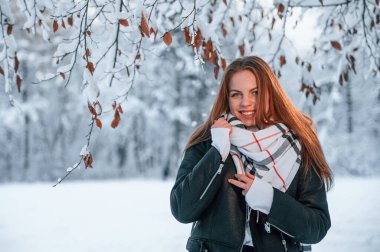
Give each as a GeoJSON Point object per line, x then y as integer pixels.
{"type": "Point", "coordinates": [100, 89]}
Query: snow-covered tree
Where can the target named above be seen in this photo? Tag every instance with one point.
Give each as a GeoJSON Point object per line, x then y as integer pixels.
{"type": "Point", "coordinates": [109, 51]}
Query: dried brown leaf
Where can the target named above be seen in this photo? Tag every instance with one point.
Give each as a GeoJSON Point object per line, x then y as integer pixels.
{"type": "Point", "coordinates": [208, 46]}
{"type": "Point", "coordinates": [88, 161]}
{"type": "Point", "coordinates": [144, 26]}
{"type": "Point", "coordinates": [224, 64]}
{"type": "Point", "coordinates": [198, 39]}
{"type": "Point", "coordinates": [214, 57]}
{"type": "Point", "coordinates": [280, 9]}
{"type": "Point", "coordinates": [153, 31]}
{"type": "Point", "coordinates": [282, 60]}
{"type": "Point", "coordinates": [120, 109]}
{"type": "Point", "coordinates": [209, 19]}
{"type": "Point", "coordinates": [90, 67]}
{"type": "Point", "coordinates": [216, 72]}
{"type": "Point", "coordinates": [9, 29]}
{"type": "Point", "coordinates": [241, 50]}
{"type": "Point", "coordinates": [309, 67]}
{"type": "Point", "coordinates": [91, 109]}
{"type": "Point", "coordinates": [186, 33]}
{"type": "Point", "coordinates": [62, 75]}
{"type": "Point", "coordinates": [18, 82]}
{"type": "Point", "coordinates": [70, 21]}
{"type": "Point", "coordinates": [297, 60]}
{"type": "Point", "coordinates": [303, 86]}
{"type": "Point", "coordinates": [168, 38]}
{"type": "Point", "coordinates": [341, 79]}
{"type": "Point", "coordinates": [17, 64]}
{"type": "Point", "coordinates": [1, 71]}
{"type": "Point", "coordinates": [123, 22]}
{"type": "Point", "coordinates": [116, 119]}
{"type": "Point", "coordinates": [336, 45]}
{"type": "Point", "coordinates": [98, 123]}
{"type": "Point", "coordinates": [55, 25]}
{"type": "Point", "coordinates": [224, 30]}
{"type": "Point", "coordinates": [308, 91]}
{"type": "Point", "coordinates": [315, 98]}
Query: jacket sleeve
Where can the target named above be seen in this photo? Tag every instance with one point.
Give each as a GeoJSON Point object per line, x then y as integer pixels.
{"type": "Point", "coordinates": [199, 175]}
{"type": "Point", "coordinates": [306, 218]}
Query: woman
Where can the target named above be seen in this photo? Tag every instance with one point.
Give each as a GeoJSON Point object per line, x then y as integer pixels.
{"type": "Point", "coordinates": [253, 176]}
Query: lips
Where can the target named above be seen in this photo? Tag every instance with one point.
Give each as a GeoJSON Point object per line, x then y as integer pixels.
{"type": "Point", "coordinates": [247, 114]}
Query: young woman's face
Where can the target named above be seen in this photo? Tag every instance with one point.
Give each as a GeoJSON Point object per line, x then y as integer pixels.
{"type": "Point", "coordinates": [242, 97]}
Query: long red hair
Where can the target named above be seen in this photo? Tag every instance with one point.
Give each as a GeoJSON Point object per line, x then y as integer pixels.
{"type": "Point", "coordinates": [281, 109]}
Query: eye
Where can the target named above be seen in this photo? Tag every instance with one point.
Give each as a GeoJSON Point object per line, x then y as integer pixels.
{"type": "Point", "coordinates": [234, 94]}
{"type": "Point", "coordinates": [255, 92]}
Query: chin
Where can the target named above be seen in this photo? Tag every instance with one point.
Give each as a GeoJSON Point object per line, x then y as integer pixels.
{"type": "Point", "coordinates": [247, 123]}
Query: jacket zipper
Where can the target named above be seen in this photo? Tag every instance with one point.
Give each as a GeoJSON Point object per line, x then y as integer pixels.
{"type": "Point", "coordinates": [247, 218]}
{"type": "Point", "coordinates": [292, 236]}
{"type": "Point", "coordinates": [283, 242]}
{"type": "Point", "coordinates": [212, 179]}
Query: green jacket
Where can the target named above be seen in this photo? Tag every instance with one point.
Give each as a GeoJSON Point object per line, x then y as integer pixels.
{"type": "Point", "coordinates": [202, 195]}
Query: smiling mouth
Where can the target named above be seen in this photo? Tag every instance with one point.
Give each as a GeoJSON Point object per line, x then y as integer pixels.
{"type": "Point", "coordinates": [247, 113]}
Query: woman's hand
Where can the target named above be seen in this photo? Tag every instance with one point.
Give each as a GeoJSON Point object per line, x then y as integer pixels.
{"type": "Point", "coordinates": [244, 181]}
{"type": "Point", "coordinates": [222, 123]}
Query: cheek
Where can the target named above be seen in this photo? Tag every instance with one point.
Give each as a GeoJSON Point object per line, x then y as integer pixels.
{"type": "Point", "coordinates": [232, 104]}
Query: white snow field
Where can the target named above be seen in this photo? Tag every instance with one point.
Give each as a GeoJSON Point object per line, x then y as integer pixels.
{"type": "Point", "coordinates": [134, 215]}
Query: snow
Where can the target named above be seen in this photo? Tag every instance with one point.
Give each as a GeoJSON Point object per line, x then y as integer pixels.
{"type": "Point", "coordinates": [134, 215]}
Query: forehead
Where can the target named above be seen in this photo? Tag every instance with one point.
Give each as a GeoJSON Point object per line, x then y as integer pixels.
{"type": "Point", "coordinates": [243, 81]}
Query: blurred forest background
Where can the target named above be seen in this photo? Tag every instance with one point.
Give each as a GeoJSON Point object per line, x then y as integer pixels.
{"type": "Point", "coordinates": [151, 66]}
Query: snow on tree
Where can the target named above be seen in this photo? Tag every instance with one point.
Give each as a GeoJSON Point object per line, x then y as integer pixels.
{"type": "Point", "coordinates": [106, 46]}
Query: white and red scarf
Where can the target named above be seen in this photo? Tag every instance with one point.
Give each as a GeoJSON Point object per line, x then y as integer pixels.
{"type": "Point", "coordinates": [272, 154]}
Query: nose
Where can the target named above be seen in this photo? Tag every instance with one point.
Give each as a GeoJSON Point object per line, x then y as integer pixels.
{"type": "Point", "coordinates": [247, 101]}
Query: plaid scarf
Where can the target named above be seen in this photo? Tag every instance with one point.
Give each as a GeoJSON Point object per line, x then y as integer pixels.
{"type": "Point", "coordinates": [272, 154]}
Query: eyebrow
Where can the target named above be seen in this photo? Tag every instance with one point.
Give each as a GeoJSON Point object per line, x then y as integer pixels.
{"type": "Point", "coordinates": [234, 90]}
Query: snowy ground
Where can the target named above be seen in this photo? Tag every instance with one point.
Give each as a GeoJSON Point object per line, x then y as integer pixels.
{"type": "Point", "coordinates": [134, 215]}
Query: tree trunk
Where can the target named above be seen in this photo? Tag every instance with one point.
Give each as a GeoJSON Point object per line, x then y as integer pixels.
{"type": "Point", "coordinates": [26, 161]}
{"type": "Point", "coordinates": [350, 128]}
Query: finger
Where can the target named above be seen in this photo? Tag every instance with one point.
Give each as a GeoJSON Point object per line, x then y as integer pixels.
{"type": "Point", "coordinates": [243, 178]}
{"type": "Point", "coordinates": [237, 183]}
{"type": "Point", "coordinates": [249, 175]}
